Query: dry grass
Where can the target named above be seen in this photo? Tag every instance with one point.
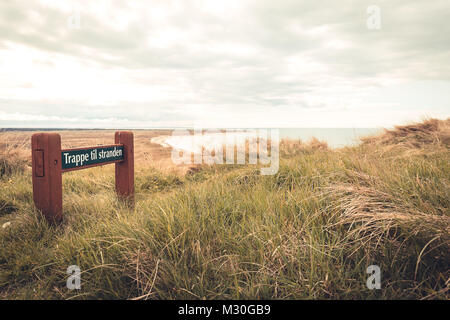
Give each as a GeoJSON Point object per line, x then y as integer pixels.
{"type": "Point", "coordinates": [426, 137]}
{"type": "Point", "coordinates": [13, 155]}
{"type": "Point", "coordinates": [291, 147]}
{"type": "Point", "coordinates": [226, 232]}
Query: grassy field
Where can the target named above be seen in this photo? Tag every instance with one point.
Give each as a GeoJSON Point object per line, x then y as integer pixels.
{"type": "Point", "coordinates": [226, 232]}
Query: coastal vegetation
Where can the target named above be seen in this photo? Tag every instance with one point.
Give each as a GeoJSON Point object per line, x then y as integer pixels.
{"type": "Point", "coordinates": [226, 232]}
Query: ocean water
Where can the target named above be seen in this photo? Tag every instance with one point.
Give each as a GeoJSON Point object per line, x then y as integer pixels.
{"type": "Point", "coordinates": [335, 137]}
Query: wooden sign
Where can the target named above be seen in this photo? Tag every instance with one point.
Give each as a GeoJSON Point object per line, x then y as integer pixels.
{"type": "Point", "coordinates": [81, 158]}
{"type": "Point", "coordinates": [49, 162]}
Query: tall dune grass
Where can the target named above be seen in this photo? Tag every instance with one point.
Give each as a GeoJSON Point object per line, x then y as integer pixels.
{"type": "Point", "coordinates": [226, 232]}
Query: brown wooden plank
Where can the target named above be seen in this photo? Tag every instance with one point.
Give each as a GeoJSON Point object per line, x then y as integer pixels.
{"type": "Point", "coordinates": [125, 169]}
{"type": "Point", "coordinates": [46, 174]}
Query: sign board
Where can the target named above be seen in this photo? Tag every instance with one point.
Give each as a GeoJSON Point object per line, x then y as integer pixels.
{"type": "Point", "coordinates": [81, 158]}
{"type": "Point", "coordinates": [49, 162]}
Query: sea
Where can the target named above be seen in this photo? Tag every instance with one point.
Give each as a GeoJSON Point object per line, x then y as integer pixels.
{"type": "Point", "coordinates": [334, 137]}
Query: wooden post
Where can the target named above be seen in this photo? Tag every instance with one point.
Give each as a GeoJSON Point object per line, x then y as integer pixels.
{"type": "Point", "coordinates": [125, 169]}
{"type": "Point", "coordinates": [47, 169]}
{"type": "Point", "coordinates": [47, 177]}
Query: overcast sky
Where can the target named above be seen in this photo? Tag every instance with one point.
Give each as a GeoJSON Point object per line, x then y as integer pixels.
{"type": "Point", "coordinates": [233, 63]}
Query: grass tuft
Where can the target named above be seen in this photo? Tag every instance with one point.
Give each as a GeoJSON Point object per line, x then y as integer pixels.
{"type": "Point", "coordinates": [226, 232]}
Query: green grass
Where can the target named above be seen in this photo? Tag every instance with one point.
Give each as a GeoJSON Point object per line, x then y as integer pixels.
{"type": "Point", "coordinates": [308, 232]}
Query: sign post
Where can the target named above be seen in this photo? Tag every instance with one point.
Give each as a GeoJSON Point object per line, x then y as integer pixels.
{"type": "Point", "coordinates": [125, 168]}
{"type": "Point", "coordinates": [49, 162]}
{"type": "Point", "coordinates": [46, 171]}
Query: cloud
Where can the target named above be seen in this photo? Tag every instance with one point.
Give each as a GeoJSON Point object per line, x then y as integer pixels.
{"type": "Point", "coordinates": [215, 63]}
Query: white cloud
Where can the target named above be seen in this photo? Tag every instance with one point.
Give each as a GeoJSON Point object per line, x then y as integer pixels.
{"type": "Point", "coordinates": [222, 63]}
